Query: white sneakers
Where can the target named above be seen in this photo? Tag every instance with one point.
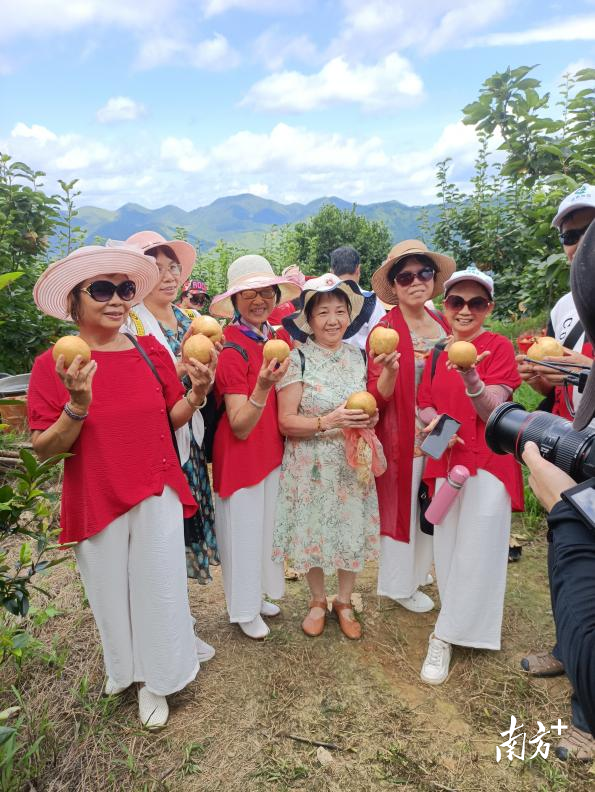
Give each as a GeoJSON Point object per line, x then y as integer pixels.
{"type": "Point", "coordinates": [418, 602]}
{"type": "Point", "coordinates": [204, 650]}
{"type": "Point", "coordinates": [112, 689]}
{"type": "Point", "coordinates": [269, 608]}
{"type": "Point", "coordinates": [152, 710]}
{"type": "Point", "coordinates": [435, 668]}
{"type": "Point", "coordinates": [256, 628]}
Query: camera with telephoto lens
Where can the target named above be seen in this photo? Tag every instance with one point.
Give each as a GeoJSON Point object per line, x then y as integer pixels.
{"type": "Point", "coordinates": [510, 427]}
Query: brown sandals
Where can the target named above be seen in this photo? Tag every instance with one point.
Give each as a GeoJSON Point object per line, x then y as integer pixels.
{"type": "Point", "coordinates": [350, 627]}
{"type": "Point", "coordinates": [576, 744]}
{"type": "Point", "coordinates": [314, 625]}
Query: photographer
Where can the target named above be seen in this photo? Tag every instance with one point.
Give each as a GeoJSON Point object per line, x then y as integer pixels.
{"type": "Point", "coordinates": [574, 214]}
{"type": "Point", "coordinates": [571, 563]}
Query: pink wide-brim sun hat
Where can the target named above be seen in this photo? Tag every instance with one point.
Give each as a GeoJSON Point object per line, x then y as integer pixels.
{"type": "Point", "coordinates": [251, 272]}
{"type": "Point", "coordinates": [149, 240]}
{"type": "Point", "coordinates": [54, 286]}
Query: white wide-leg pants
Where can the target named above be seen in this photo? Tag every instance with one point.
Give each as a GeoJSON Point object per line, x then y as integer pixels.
{"type": "Point", "coordinates": [404, 566]}
{"type": "Point", "coordinates": [471, 558]}
{"type": "Point", "coordinates": [244, 525]}
{"type": "Point", "coordinates": [134, 573]}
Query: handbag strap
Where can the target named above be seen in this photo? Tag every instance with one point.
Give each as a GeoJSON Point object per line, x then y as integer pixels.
{"type": "Point", "coordinates": [151, 365]}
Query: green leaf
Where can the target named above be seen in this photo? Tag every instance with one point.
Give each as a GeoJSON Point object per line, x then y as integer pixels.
{"type": "Point", "coordinates": [29, 461]}
{"type": "Point", "coordinates": [9, 277]}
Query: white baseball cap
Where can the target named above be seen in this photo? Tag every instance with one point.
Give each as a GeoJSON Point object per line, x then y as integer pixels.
{"type": "Point", "coordinates": [471, 274]}
{"type": "Point", "coordinates": [582, 198]}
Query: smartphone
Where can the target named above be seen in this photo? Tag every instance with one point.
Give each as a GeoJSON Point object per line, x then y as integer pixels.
{"type": "Point", "coordinates": [436, 442]}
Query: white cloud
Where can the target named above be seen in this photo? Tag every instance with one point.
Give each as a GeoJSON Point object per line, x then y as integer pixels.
{"type": "Point", "coordinates": [120, 108]}
{"type": "Point", "coordinates": [578, 28]}
{"type": "Point", "coordinates": [384, 84]}
{"type": "Point", "coordinates": [182, 153]}
{"type": "Point", "coordinates": [43, 18]}
{"type": "Point", "coordinates": [274, 48]}
{"type": "Point", "coordinates": [259, 188]}
{"type": "Point", "coordinates": [214, 7]}
{"type": "Point", "coordinates": [214, 54]}
{"type": "Point", "coordinates": [381, 26]}
{"type": "Point", "coordinates": [282, 163]}
{"type": "Point", "coordinates": [35, 132]}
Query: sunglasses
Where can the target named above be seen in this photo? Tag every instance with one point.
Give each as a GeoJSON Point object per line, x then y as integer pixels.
{"type": "Point", "coordinates": [572, 236]}
{"type": "Point", "coordinates": [250, 294]}
{"type": "Point", "coordinates": [198, 299]}
{"type": "Point", "coordinates": [103, 291]}
{"type": "Point", "coordinates": [476, 304]}
{"type": "Point", "coordinates": [423, 276]}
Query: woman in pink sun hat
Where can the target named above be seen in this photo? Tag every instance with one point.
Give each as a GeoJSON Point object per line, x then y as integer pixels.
{"type": "Point", "coordinates": [248, 446]}
{"type": "Point", "coordinates": [158, 315]}
{"type": "Point", "coordinates": [124, 495]}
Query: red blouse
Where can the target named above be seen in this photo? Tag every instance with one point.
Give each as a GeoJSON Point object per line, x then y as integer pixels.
{"type": "Point", "coordinates": [244, 463]}
{"type": "Point", "coordinates": [396, 431]}
{"type": "Point", "coordinates": [124, 452]}
{"type": "Point", "coordinates": [446, 394]}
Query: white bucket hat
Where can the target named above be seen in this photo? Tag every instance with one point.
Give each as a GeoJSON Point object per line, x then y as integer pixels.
{"type": "Point", "coordinates": [361, 306]}
{"type": "Point", "coordinates": [471, 274]}
{"type": "Point", "coordinates": [54, 286]}
{"type": "Point", "coordinates": [251, 272]}
{"type": "Point", "coordinates": [582, 198]}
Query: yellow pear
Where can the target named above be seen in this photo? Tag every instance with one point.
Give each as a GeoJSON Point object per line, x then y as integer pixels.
{"type": "Point", "coordinates": [383, 340]}
{"type": "Point", "coordinates": [70, 347]}
{"type": "Point", "coordinates": [462, 354]}
{"type": "Point", "coordinates": [275, 348]}
{"type": "Point", "coordinates": [198, 346]}
{"type": "Point", "coordinates": [362, 400]}
{"type": "Point", "coordinates": [208, 326]}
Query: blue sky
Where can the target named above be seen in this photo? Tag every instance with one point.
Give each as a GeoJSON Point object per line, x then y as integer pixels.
{"type": "Point", "coordinates": [184, 101]}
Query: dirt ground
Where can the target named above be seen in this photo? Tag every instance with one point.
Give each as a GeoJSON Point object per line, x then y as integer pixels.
{"type": "Point", "coordinates": [236, 727]}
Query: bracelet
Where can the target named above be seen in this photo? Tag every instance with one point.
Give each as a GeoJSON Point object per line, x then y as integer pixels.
{"type": "Point", "coordinates": [482, 387]}
{"type": "Point", "coordinates": [74, 415]}
{"type": "Point", "coordinates": [319, 426]}
{"type": "Point", "coordinates": [195, 406]}
{"type": "Point", "coordinates": [256, 404]}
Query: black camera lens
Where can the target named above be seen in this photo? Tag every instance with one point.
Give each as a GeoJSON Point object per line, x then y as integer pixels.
{"type": "Point", "coordinates": [510, 427]}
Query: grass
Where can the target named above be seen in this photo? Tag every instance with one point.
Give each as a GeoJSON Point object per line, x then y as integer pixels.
{"type": "Point", "coordinates": [234, 728]}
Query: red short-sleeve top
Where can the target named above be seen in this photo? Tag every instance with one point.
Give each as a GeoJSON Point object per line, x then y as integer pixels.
{"type": "Point", "coordinates": [124, 452]}
{"type": "Point", "coordinates": [445, 392]}
{"type": "Point", "coordinates": [244, 463]}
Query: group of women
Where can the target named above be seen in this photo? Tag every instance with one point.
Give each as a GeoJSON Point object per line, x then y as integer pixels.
{"type": "Point", "coordinates": [297, 475]}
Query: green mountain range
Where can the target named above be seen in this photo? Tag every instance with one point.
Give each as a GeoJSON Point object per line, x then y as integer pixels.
{"type": "Point", "coordinates": [242, 219]}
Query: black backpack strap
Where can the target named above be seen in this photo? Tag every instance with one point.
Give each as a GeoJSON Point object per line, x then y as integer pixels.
{"type": "Point", "coordinates": [574, 335]}
{"type": "Point", "coordinates": [302, 361]}
{"type": "Point", "coordinates": [151, 365]}
{"type": "Point", "coordinates": [365, 357]}
{"type": "Point", "coordinates": [237, 347]}
{"type": "Point", "coordinates": [438, 348]}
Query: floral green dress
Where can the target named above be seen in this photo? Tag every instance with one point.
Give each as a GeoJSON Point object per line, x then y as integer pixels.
{"type": "Point", "coordinates": [199, 530]}
{"type": "Point", "coordinates": [325, 517]}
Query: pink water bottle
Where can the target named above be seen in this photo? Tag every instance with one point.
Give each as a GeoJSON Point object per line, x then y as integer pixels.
{"type": "Point", "coordinates": [447, 494]}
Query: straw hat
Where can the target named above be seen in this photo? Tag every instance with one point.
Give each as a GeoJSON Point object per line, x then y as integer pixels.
{"type": "Point", "coordinates": [361, 306]}
{"type": "Point", "coordinates": [250, 272]}
{"type": "Point", "coordinates": [410, 247]}
{"type": "Point", "coordinates": [55, 285]}
{"type": "Point", "coordinates": [185, 253]}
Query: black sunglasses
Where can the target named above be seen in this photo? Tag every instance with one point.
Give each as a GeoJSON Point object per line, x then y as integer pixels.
{"type": "Point", "coordinates": [423, 276]}
{"type": "Point", "coordinates": [198, 299]}
{"type": "Point", "coordinates": [103, 291]}
{"type": "Point", "coordinates": [475, 304]}
{"type": "Point", "coordinates": [572, 236]}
